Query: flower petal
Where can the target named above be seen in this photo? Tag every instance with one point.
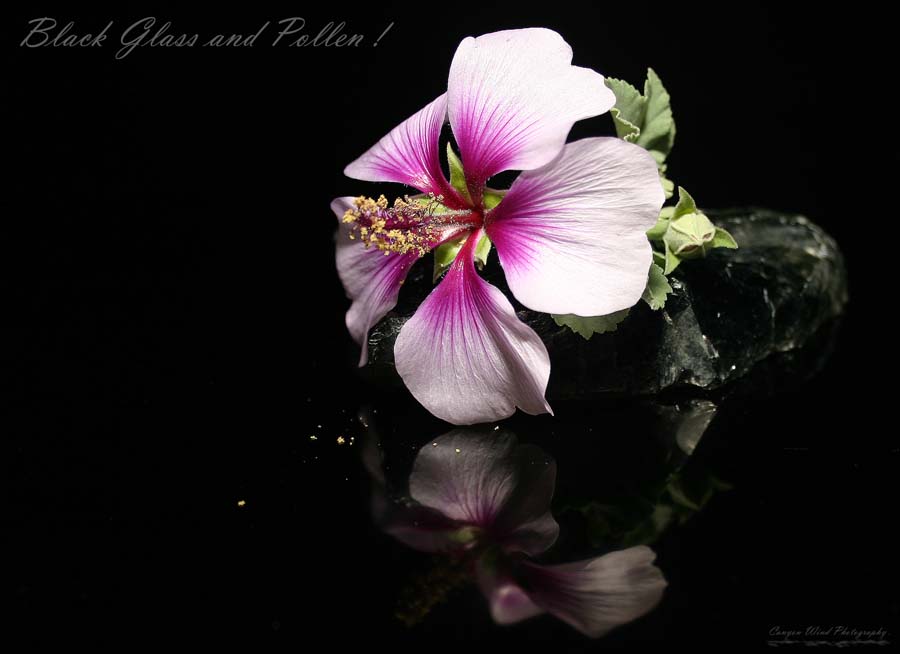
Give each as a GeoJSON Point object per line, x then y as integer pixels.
{"type": "Point", "coordinates": [465, 355]}
{"type": "Point", "coordinates": [525, 523]}
{"type": "Point", "coordinates": [571, 236]}
{"type": "Point", "coordinates": [419, 527]}
{"type": "Point", "coordinates": [509, 603]}
{"type": "Point", "coordinates": [598, 594]}
{"type": "Point", "coordinates": [487, 480]}
{"type": "Point", "coordinates": [513, 96]}
{"type": "Point", "coordinates": [410, 154]}
{"type": "Point", "coordinates": [371, 279]}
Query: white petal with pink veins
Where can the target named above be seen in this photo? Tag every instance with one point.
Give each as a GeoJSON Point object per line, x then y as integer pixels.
{"type": "Point", "coordinates": [409, 154]}
{"type": "Point", "coordinates": [464, 354]}
{"type": "Point", "coordinates": [571, 236]}
{"type": "Point", "coordinates": [513, 96]}
{"type": "Point", "coordinates": [371, 279]}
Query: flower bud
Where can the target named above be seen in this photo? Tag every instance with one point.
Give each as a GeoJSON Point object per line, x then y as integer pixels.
{"type": "Point", "coordinates": [690, 236]}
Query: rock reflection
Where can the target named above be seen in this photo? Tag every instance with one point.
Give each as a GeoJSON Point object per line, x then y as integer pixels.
{"type": "Point", "coordinates": [668, 495]}
{"type": "Point", "coordinates": [483, 500]}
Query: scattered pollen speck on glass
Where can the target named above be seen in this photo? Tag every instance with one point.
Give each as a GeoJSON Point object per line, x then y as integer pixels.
{"type": "Point", "coordinates": [242, 502]}
{"type": "Point", "coordinates": [313, 438]}
{"type": "Point", "coordinates": [458, 450]}
{"type": "Point", "coordinates": [340, 440]}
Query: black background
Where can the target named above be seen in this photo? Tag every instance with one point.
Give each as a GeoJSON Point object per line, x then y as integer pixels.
{"type": "Point", "coordinates": [173, 330]}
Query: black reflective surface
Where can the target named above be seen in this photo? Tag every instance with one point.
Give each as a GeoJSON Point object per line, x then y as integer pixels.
{"type": "Point", "coordinates": [173, 336]}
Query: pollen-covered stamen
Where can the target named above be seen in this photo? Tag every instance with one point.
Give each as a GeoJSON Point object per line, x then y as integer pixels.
{"type": "Point", "coordinates": [407, 226]}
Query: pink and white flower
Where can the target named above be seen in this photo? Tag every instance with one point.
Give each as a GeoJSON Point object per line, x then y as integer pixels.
{"type": "Point", "coordinates": [569, 233]}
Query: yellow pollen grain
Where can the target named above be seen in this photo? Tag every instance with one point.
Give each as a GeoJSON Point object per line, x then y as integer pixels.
{"type": "Point", "coordinates": [411, 233]}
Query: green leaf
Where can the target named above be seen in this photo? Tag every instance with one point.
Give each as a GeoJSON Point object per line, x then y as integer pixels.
{"type": "Point", "coordinates": [659, 259]}
{"type": "Point", "coordinates": [628, 113]}
{"type": "Point", "coordinates": [685, 204]}
{"type": "Point", "coordinates": [457, 175]}
{"type": "Point", "coordinates": [671, 260]}
{"type": "Point", "coordinates": [650, 529]}
{"type": "Point", "coordinates": [445, 254]}
{"type": "Point", "coordinates": [644, 119]}
{"type": "Point", "coordinates": [625, 130]}
{"type": "Point", "coordinates": [657, 288]}
{"type": "Point", "coordinates": [668, 185]}
{"type": "Point", "coordinates": [482, 250]}
{"type": "Point", "coordinates": [629, 101]}
{"type": "Point", "coordinates": [658, 128]}
{"type": "Point", "coordinates": [659, 230]}
{"type": "Point", "coordinates": [492, 198]}
{"type": "Point", "coordinates": [680, 496]}
{"type": "Point", "coordinates": [658, 157]}
{"type": "Point", "coordinates": [587, 327]}
{"type": "Point", "coordinates": [723, 239]}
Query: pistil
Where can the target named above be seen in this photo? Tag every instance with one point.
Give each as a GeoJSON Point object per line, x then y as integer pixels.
{"type": "Point", "coordinates": [410, 225]}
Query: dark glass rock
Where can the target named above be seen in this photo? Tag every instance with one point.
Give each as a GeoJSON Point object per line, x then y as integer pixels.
{"type": "Point", "coordinates": [759, 316]}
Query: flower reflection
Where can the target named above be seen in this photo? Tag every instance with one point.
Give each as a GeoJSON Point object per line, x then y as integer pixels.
{"type": "Point", "coordinates": [485, 499]}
